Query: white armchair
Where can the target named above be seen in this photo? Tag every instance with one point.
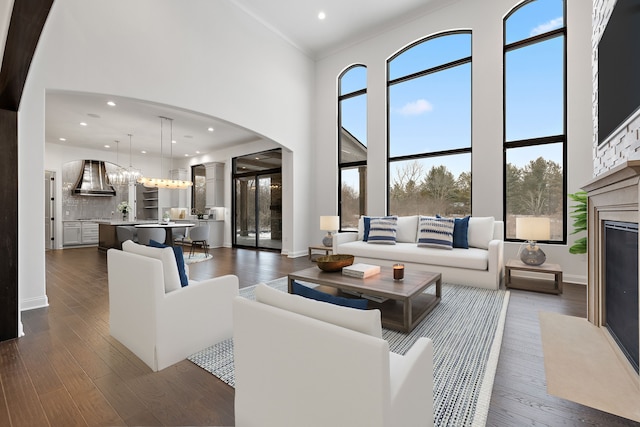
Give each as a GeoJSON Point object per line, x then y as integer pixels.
{"type": "Point", "coordinates": [294, 368]}
{"type": "Point", "coordinates": [164, 328]}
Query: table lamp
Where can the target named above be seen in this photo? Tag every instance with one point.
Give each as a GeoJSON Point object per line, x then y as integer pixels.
{"type": "Point", "coordinates": [329, 224]}
{"type": "Point", "coordinates": [532, 229]}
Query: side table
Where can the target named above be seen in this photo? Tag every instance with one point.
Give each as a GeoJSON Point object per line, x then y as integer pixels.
{"type": "Point", "coordinates": [327, 250]}
{"type": "Point", "coordinates": [532, 284]}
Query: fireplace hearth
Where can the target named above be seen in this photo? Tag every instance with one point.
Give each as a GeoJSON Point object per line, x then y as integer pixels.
{"type": "Point", "coordinates": [612, 293]}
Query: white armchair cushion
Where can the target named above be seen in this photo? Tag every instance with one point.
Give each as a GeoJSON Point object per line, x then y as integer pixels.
{"type": "Point", "coordinates": [165, 255]}
{"type": "Point", "coordinates": [364, 321]}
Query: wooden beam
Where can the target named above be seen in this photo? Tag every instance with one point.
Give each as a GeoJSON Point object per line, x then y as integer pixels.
{"type": "Point", "coordinates": [27, 21]}
{"type": "Point", "coordinates": [25, 27]}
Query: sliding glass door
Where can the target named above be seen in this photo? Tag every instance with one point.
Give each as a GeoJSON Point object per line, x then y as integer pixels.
{"type": "Point", "coordinates": [257, 207]}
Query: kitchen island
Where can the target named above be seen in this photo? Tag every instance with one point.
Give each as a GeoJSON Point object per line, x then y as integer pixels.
{"type": "Point", "coordinates": [107, 235]}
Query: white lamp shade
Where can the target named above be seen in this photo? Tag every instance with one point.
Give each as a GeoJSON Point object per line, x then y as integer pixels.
{"type": "Point", "coordinates": [533, 228]}
{"type": "Point", "coordinates": [329, 223]}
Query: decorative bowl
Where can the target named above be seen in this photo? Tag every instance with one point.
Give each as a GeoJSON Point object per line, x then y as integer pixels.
{"type": "Point", "coordinates": [334, 262]}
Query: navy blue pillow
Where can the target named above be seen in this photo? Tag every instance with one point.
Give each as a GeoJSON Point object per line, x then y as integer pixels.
{"type": "Point", "coordinates": [177, 252]}
{"type": "Point", "coordinates": [367, 227]}
{"type": "Point", "coordinates": [460, 232]}
{"type": "Point", "coordinates": [310, 293]}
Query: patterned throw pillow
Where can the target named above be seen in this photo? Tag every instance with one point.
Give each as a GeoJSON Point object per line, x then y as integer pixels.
{"type": "Point", "coordinates": [383, 230]}
{"type": "Point", "coordinates": [436, 232]}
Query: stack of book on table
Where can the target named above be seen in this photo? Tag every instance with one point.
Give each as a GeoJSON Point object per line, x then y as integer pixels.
{"type": "Point", "coordinates": [361, 271]}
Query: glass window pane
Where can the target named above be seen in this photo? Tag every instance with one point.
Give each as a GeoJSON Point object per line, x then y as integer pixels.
{"type": "Point", "coordinates": [353, 112]}
{"type": "Point", "coordinates": [430, 53]}
{"type": "Point", "coordinates": [534, 183]}
{"type": "Point", "coordinates": [537, 17]}
{"type": "Point", "coordinates": [423, 112]}
{"type": "Point", "coordinates": [352, 198]}
{"type": "Point", "coordinates": [534, 90]}
{"type": "Point", "coordinates": [431, 186]}
{"type": "Point", "coordinates": [353, 80]}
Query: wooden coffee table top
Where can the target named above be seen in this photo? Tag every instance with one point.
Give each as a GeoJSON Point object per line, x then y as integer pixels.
{"type": "Point", "coordinates": [381, 284]}
{"type": "Point", "coordinates": [405, 303]}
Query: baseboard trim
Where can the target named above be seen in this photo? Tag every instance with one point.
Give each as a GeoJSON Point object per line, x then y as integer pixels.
{"type": "Point", "coordinates": [33, 303]}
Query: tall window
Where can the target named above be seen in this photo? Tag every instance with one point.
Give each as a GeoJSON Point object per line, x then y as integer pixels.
{"type": "Point", "coordinates": [535, 116]}
{"type": "Point", "coordinates": [429, 116]}
{"type": "Point", "coordinates": [352, 145]}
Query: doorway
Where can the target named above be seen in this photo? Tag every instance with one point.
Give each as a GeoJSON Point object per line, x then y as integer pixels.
{"type": "Point", "coordinates": [49, 209]}
{"type": "Point", "coordinates": [257, 200]}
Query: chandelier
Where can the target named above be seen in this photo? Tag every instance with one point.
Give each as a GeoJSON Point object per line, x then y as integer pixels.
{"type": "Point", "coordinates": [165, 182]}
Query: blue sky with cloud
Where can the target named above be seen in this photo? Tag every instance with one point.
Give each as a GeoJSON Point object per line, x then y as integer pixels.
{"type": "Point", "coordinates": [423, 111]}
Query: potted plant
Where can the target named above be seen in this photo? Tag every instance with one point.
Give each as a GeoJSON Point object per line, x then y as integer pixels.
{"type": "Point", "coordinates": [579, 215]}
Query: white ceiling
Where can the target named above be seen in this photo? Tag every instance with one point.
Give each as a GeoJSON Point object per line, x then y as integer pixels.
{"type": "Point", "coordinates": [346, 22]}
{"type": "Point", "coordinates": [107, 124]}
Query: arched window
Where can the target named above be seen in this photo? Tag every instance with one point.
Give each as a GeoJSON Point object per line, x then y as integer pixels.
{"type": "Point", "coordinates": [535, 117]}
{"type": "Point", "coordinates": [429, 117]}
{"type": "Point", "coordinates": [352, 146]}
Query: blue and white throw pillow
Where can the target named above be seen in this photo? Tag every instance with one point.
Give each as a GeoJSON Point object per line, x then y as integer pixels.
{"type": "Point", "coordinates": [383, 230]}
{"type": "Point", "coordinates": [436, 232]}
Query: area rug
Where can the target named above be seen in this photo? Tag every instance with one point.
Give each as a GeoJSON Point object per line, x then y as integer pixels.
{"type": "Point", "coordinates": [466, 329]}
{"type": "Point", "coordinates": [196, 257]}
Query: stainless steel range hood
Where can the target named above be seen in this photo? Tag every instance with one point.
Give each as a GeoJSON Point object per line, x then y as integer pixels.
{"type": "Point", "coordinates": [93, 180]}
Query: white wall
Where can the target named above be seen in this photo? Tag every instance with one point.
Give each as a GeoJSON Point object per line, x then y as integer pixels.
{"type": "Point", "coordinates": [201, 55]}
{"type": "Point", "coordinates": [485, 19]}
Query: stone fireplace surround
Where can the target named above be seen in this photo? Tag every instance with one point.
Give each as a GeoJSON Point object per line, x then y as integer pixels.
{"type": "Point", "coordinates": [612, 196]}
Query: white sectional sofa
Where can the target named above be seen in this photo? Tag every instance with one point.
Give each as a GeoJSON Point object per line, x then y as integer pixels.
{"type": "Point", "coordinates": [480, 265]}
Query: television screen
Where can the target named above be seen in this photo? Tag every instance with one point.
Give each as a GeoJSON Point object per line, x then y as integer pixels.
{"type": "Point", "coordinates": [619, 68]}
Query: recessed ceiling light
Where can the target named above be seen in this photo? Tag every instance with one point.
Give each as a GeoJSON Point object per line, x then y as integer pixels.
{"type": "Point", "coordinates": [83, 124]}
{"type": "Point", "coordinates": [186, 155]}
{"type": "Point", "coordinates": [107, 146]}
{"type": "Point", "coordinates": [63, 139]}
{"type": "Point", "coordinates": [173, 142]}
{"type": "Point", "coordinates": [143, 152]}
{"type": "Point", "coordinates": [197, 152]}
{"type": "Point", "coordinates": [211, 129]}
{"type": "Point", "coordinates": [111, 104]}
{"type": "Point", "coordinates": [321, 15]}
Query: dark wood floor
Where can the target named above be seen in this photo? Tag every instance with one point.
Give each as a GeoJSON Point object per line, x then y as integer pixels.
{"type": "Point", "coordinates": [68, 371]}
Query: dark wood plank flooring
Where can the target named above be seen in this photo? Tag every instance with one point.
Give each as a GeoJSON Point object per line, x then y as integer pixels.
{"type": "Point", "coordinates": [68, 371]}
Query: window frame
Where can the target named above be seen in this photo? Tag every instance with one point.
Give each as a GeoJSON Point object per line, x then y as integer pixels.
{"type": "Point", "coordinates": [544, 140]}
{"type": "Point", "coordinates": [348, 165]}
{"type": "Point", "coordinates": [426, 72]}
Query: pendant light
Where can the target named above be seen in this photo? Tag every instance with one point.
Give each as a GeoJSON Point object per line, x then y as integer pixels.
{"type": "Point", "coordinates": [162, 182]}
{"type": "Point", "coordinates": [117, 177]}
{"type": "Point", "coordinates": [132, 174]}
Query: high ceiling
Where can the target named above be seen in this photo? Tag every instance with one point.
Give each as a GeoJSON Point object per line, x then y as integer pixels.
{"type": "Point", "coordinates": [346, 22]}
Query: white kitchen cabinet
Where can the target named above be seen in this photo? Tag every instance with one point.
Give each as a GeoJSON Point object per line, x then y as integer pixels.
{"type": "Point", "coordinates": [89, 233]}
{"type": "Point", "coordinates": [79, 233]}
{"type": "Point", "coordinates": [72, 233]}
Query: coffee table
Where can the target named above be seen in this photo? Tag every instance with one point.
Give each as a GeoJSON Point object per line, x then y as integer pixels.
{"type": "Point", "coordinates": [406, 303]}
